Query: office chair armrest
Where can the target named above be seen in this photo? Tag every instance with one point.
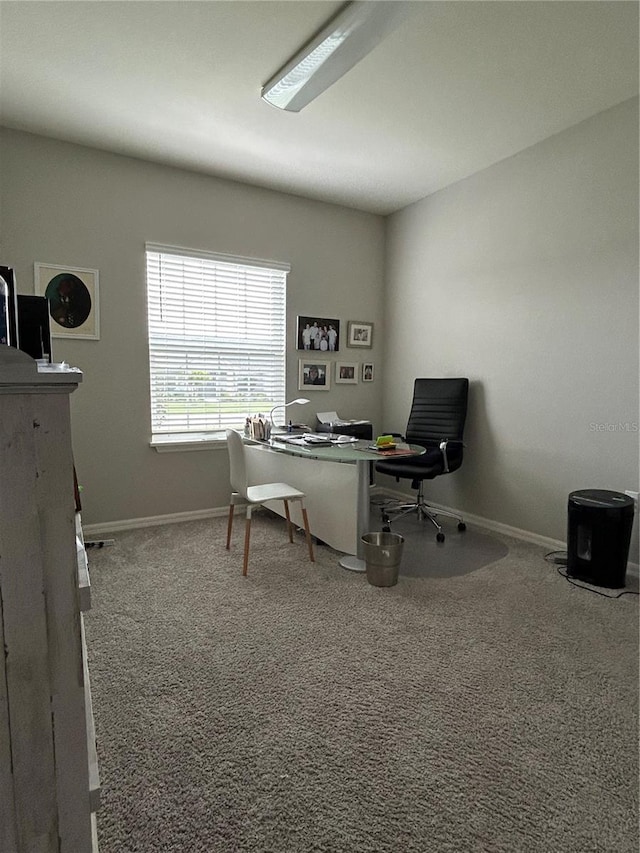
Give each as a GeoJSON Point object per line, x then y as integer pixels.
{"type": "Point", "coordinates": [443, 449]}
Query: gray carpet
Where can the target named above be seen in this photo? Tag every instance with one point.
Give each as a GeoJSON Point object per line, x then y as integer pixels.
{"type": "Point", "coordinates": [301, 709]}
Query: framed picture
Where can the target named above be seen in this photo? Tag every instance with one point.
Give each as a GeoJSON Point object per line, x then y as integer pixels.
{"type": "Point", "coordinates": [313, 375]}
{"type": "Point", "coordinates": [359, 334]}
{"type": "Point", "coordinates": [367, 372]}
{"type": "Point", "coordinates": [347, 372]}
{"type": "Point", "coordinates": [72, 293]}
{"type": "Point", "coordinates": [318, 334]}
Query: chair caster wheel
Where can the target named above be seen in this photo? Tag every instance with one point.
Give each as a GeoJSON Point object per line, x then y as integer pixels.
{"type": "Point", "coordinates": [462, 527]}
{"type": "Point", "coordinates": [439, 537]}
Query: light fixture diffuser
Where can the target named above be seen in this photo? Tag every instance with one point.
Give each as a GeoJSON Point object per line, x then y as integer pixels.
{"type": "Point", "coordinates": [348, 37]}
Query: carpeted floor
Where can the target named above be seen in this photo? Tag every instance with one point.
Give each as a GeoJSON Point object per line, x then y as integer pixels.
{"type": "Point", "coordinates": [301, 709]}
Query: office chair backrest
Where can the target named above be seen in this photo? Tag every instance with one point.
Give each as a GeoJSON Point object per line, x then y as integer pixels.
{"type": "Point", "coordinates": [237, 463]}
{"type": "Point", "coordinates": [438, 411]}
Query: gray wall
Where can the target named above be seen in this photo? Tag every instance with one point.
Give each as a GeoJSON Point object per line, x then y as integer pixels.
{"type": "Point", "coordinates": [524, 277]}
{"type": "Point", "coordinates": [70, 205]}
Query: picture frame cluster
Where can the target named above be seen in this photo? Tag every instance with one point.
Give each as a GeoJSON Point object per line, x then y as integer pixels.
{"type": "Point", "coordinates": [348, 372]}
{"type": "Point", "coordinates": [320, 337]}
{"type": "Point", "coordinates": [315, 374]}
{"type": "Point", "coordinates": [322, 334]}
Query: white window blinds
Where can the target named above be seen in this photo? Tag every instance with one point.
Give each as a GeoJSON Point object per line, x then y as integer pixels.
{"type": "Point", "coordinates": [216, 339]}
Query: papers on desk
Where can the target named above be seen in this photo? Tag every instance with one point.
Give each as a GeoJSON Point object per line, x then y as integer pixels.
{"type": "Point", "coordinates": [398, 450]}
{"type": "Point", "coordinates": [335, 419]}
{"type": "Point", "coordinates": [291, 439]}
{"type": "Point", "coordinates": [313, 439]}
{"type": "Point", "coordinates": [308, 441]}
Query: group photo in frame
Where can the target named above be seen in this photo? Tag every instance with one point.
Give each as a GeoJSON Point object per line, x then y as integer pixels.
{"type": "Point", "coordinates": [346, 372]}
{"type": "Point", "coordinates": [72, 293]}
{"type": "Point", "coordinates": [359, 334]}
{"type": "Point", "coordinates": [318, 334]}
{"type": "Point", "coordinates": [313, 375]}
{"type": "Point", "coordinates": [367, 371]}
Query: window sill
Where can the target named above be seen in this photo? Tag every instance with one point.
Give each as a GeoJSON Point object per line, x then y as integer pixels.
{"type": "Point", "coordinates": [188, 441]}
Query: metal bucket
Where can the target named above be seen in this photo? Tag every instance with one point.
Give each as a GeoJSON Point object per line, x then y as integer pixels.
{"type": "Point", "coordinates": [382, 555]}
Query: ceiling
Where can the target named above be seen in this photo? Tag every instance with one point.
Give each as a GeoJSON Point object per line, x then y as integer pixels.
{"type": "Point", "coordinates": [457, 87]}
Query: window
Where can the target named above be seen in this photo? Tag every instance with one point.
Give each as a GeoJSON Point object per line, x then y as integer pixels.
{"type": "Point", "coordinates": [216, 340]}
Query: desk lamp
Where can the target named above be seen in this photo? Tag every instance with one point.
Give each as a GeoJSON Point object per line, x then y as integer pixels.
{"type": "Point", "coordinates": [299, 400]}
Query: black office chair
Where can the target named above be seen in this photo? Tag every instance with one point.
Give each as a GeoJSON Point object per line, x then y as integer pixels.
{"type": "Point", "coordinates": [436, 422]}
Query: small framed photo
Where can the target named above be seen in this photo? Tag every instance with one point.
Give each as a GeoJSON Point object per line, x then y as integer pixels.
{"type": "Point", "coordinates": [318, 334]}
{"type": "Point", "coordinates": [359, 334]}
{"type": "Point", "coordinates": [313, 375]}
{"type": "Point", "coordinates": [367, 372]}
{"type": "Point", "coordinates": [72, 293]}
{"type": "Point", "coordinates": [346, 372]}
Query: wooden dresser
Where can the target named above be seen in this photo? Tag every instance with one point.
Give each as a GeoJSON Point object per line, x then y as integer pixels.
{"type": "Point", "coordinates": [49, 788]}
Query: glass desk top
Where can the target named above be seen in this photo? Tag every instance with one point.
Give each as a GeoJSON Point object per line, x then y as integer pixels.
{"type": "Point", "coordinates": [355, 451]}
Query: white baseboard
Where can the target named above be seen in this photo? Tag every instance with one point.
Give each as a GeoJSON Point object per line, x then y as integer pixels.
{"type": "Point", "coordinates": [152, 521]}
{"type": "Point", "coordinates": [215, 512]}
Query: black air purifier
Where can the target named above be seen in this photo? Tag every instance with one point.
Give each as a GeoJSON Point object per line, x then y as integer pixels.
{"type": "Point", "coordinates": [599, 534]}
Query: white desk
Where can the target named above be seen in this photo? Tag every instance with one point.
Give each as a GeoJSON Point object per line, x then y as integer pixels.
{"type": "Point", "coordinates": [337, 495]}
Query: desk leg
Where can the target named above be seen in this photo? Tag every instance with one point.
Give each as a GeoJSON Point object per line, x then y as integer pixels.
{"type": "Point", "coordinates": [357, 564]}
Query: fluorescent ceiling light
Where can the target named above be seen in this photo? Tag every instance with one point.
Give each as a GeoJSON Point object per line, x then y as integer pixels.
{"type": "Point", "coordinates": [348, 37]}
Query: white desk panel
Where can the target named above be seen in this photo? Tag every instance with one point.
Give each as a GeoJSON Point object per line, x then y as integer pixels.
{"type": "Point", "coordinates": [331, 489]}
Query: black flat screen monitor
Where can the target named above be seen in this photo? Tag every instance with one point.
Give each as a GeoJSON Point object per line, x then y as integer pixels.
{"type": "Point", "coordinates": [8, 275]}
{"type": "Point", "coordinates": [34, 331]}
